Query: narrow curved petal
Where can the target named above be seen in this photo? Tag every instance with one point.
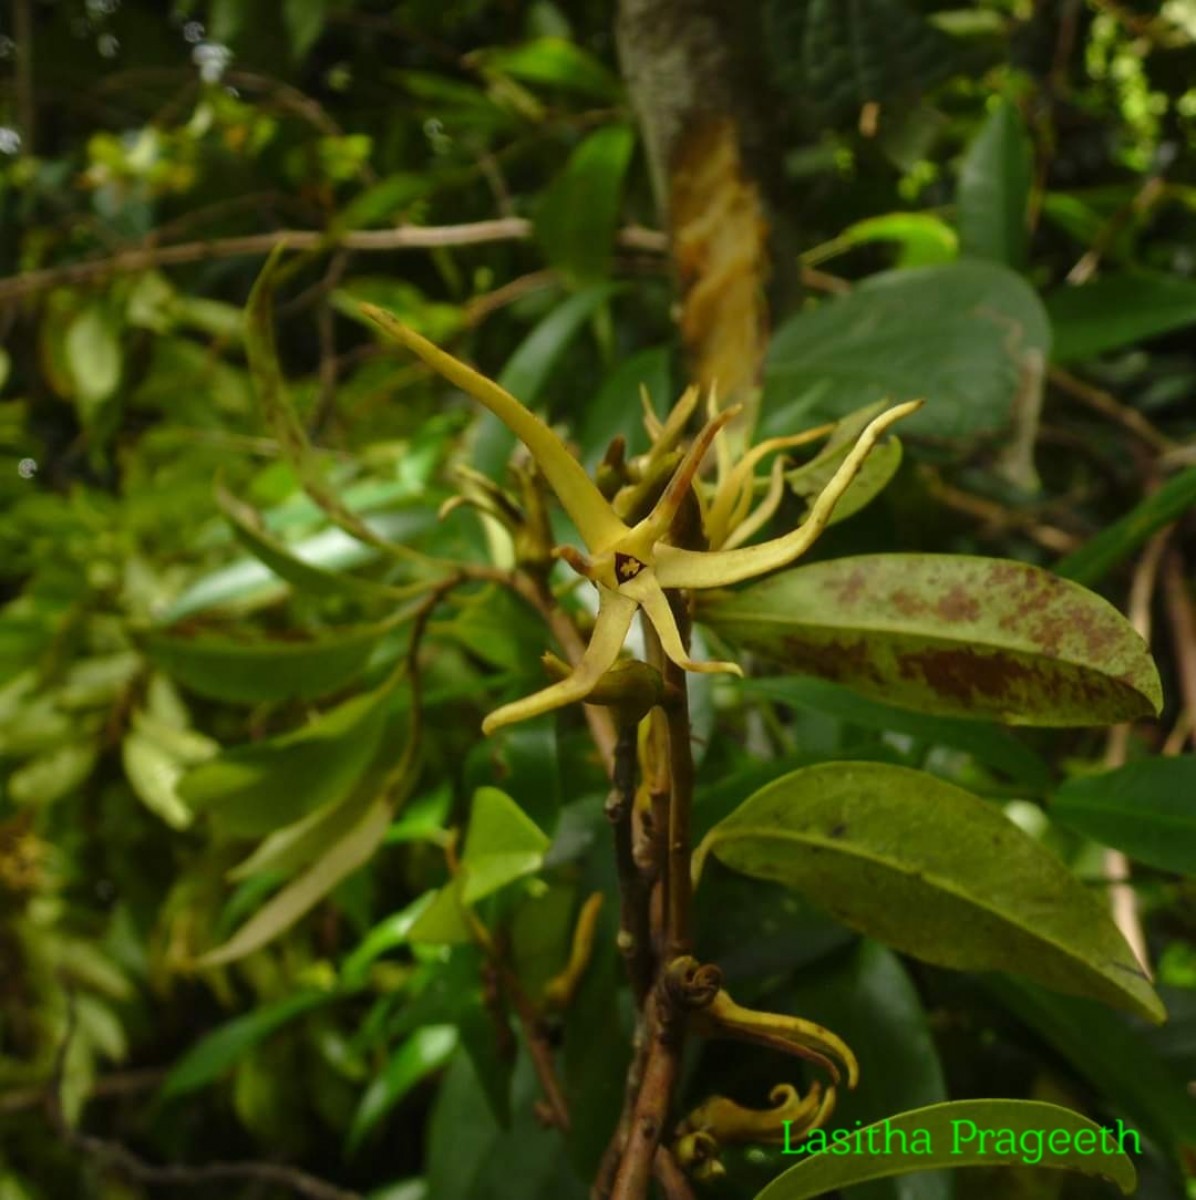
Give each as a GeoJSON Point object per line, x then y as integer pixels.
{"type": "Point", "coordinates": [647, 592]}
{"type": "Point", "coordinates": [614, 620]}
{"type": "Point", "coordinates": [734, 498]}
{"type": "Point", "coordinates": [693, 569]}
{"type": "Point", "coordinates": [656, 523]}
{"type": "Point", "coordinates": [593, 516]}
{"type": "Point", "coordinates": [747, 527]}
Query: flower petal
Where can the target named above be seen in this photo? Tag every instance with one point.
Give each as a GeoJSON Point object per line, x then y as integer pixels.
{"type": "Point", "coordinates": [593, 516]}
{"type": "Point", "coordinates": [694, 569]}
{"type": "Point", "coordinates": [614, 620]}
{"type": "Point", "coordinates": [748, 526]}
{"type": "Point", "coordinates": [656, 524]}
{"type": "Point", "coordinates": [645, 590]}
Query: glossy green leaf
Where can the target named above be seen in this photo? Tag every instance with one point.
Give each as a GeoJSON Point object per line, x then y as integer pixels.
{"type": "Point", "coordinates": [924, 240]}
{"type": "Point", "coordinates": [553, 62]}
{"type": "Point", "coordinates": [1147, 809]}
{"type": "Point", "coordinates": [223, 1048]}
{"type": "Point", "coordinates": [987, 743]}
{"type": "Point", "coordinates": [867, 997]}
{"type": "Point", "coordinates": [296, 564]}
{"type": "Point", "coordinates": [957, 1134]}
{"type": "Point", "coordinates": [424, 1052]}
{"type": "Point", "coordinates": [250, 582]}
{"type": "Point", "coordinates": [961, 337]}
{"type": "Point", "coordinates": [298, 898]}
{"type": "Point", "coordinates": [1117, 311]}
{"type": "Point", "coordinates": [503, 844]}
{"type": "Point", "coordinates": [994, 189]}
{"type": "Point", "coordinates": [933, 871]}
{"type": "Point", "coordinates": [1116, 542]}
{"type": "Point", "coordinates": [1118, 1059]}
{"type": "Point", "coordinates": [389, 933]}
{"type": "Point", "coordinates": [578, 214]}
{"type": "Point", "coordinates": [251, 790]}
{"type": "Point", "coordinates": [949, 634]}
{"type": "Point", "coordinates": [810, 479]}
{"type": "Point", "coordinates": [249, 672]}
{"type": "Point", "coordinates": [441, 922]}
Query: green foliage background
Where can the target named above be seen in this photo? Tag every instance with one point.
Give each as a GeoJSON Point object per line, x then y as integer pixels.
{"type": "Point", "coordinates": [178, 682]}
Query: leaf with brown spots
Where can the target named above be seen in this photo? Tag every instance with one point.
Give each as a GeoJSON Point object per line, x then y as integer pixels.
{"type": "Point", "coordinates": [949, 634]}
{"type": "Point", "coordinates": [932, 871]}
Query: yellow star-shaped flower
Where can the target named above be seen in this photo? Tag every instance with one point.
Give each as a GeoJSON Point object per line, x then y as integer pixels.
{"type": "Point", "coordinates": [631, 566]}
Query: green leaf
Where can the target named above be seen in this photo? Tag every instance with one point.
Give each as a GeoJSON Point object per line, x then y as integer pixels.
{"type": "Point", "coordinates": [989, 744]}
{"type": "Point", "coordinates": [296, 565]}
{"type": "Point", "coordinates": [1023, 1132]}
{"type": "Point", "coordinates": [932, 871]}
{"type": "Point", "coordinates": [615, 409]}
{"type": "Point", "coordinates": [925, 240]}
{"type": "Point", "coordinates": [1144, 808]}
{"type": "Point", "coordinates": [250, 582]}
{"type": "Point", "coordinates": [527, 370]}
{"type": "Point", "coordinates": [304, 20]}
{"type": "Point", "coordinates": [390, 932]}
{"type": "Point", "coordinates": [155, 758]}
{"type": "Point", "coordinates": [867, 997]}
{"type": "Point", "coordinates": [809, 480]}
{"type": "Point", "coordinates": [1114, 1057]}
{"type": "Point", "coordinates": [425, 1051]}
{"type": "Point", "coordinates": [93, 357]}
{"type": "Point", "coordinates": [1117, 311]}
{"type": "Point", "coordinates": [441, 922]}
{"type": "Point", "coordinates": [250, 672]}
{"type": "Point", "coordinates": [578, 214]}
{"type": "Point", "coordinates": [949, 634]}
{"type": "Point", "coordinates": [553, 62]}
{"type": "Point", "coordinates": [281, 911]}
{"type": "Point", "coordinates": [251, 790]}
{"type": "Point", "coordinates": [49, 776]}
{"type": "Point", "coordinates": [503, 844]}
{"type": "Point", "coordinates": [837, 57]}
{"type": "Point", "coordinates": [223, 1048]}
{"type": "Point", "coordinates": [1116, 542]}
{"type": "Point", "coordinates": [994, 189]}
{"type": "Point", "coordinates": [961, 337]}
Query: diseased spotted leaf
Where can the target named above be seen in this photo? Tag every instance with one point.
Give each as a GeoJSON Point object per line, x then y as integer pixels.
{"type": "Point", "coordinates": [949, 634]}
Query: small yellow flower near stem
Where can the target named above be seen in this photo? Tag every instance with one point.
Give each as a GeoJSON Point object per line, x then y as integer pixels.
{"type": "Point", "coordinates": [632, 565]}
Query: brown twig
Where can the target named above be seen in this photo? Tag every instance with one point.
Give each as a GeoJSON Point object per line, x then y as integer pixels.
{"type": "Point", "coordinates": [1122, 899]}
{"type": "Point", "coordinates": [119, 1158]}
{"type": "Point", "coordinates": [651, 1107]}
{"type": "Point", "coordinates": [1182, 620]}
{"type": "Point", "coordinates": [404, 237]}
{"type": "Point", "coordinates": [1108, 406]}
{"type": "Point", "coordinates": [635, 934]}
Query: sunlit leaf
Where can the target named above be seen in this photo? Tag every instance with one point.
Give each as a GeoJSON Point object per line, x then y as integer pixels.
{"type": "Point", "coordinates": [933, 871]}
